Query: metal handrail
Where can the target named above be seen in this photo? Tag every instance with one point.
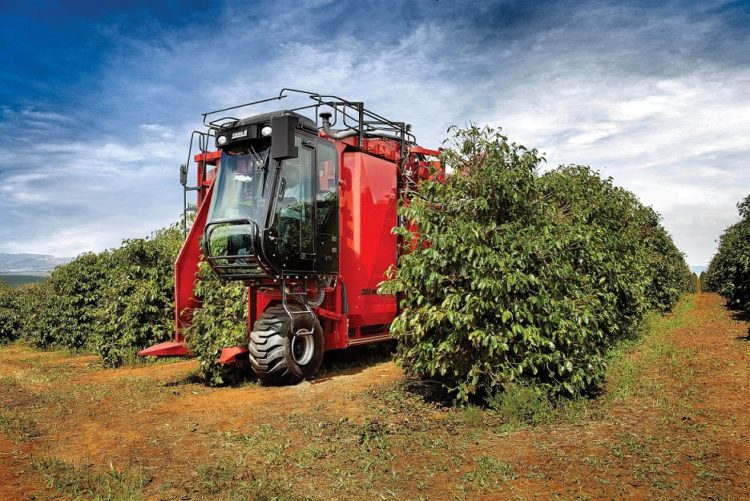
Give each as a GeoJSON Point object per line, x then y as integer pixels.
{"type": "Point", "coordinates": [203, 138]}
{"type": "Point", "coordinates": [353, 115]}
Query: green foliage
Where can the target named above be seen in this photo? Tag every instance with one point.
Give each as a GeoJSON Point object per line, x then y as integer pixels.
{"type": "Point", "coordinates": [139, 296]}
{"type": "Point", "coordinates": [221, 321]}
{"type": "Point", "coordinates": [729, 270]}
{"type": "Point", "coordinates": [515, 278]}
{"type": "Point", "coordinates": [61, 310]}
{"type": "Point", "coordinates": [15, 280]}
{"type": "Point", "coordinates": [10, 320]}
{"type": "Point", "coordinates": [520, 404]}
{"type": "Point", "coordinates": [120, 301]}
{"type": "Point", "coordinates": [78, 293]}
{"type": "Point", "coordinates": [116, 302]}
{"type": "Point", "coordinates": [36, 303]}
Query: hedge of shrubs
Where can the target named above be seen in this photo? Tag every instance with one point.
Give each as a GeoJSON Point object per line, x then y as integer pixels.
{"type": "Point", "coordinates": [512, 277]}
{"type": "Point", "coordinates": [516, 277]}
{"type": "Point", "coordinates": [115, 302]}
{"type": "Point", "coordinates": [220, 321]}
{"type": "Point", "coordinates": [10, 318]}
{"type": "Point", "coordinates": [120, 301]}
{"type": "Point", "coordinates": [729, 270]}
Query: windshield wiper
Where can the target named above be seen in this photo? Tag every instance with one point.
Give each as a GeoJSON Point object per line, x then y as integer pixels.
{"type": "Point", "coordinates": [261, 161]}
{"type": "Point", "coordinates": [258, 159]}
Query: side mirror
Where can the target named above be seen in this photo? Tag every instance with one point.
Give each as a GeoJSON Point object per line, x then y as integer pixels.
{"type": "Point", "coordinates": [282, 137]}
{"type": "Point", "coordinates": [183, 174]}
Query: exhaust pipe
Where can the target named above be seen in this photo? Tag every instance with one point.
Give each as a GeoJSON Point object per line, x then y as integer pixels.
{"type": "Point", "coordinates": [335, 134]}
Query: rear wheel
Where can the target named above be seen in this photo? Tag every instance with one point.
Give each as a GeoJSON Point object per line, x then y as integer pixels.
{"type": "Point", "coordinates": [276, 355]}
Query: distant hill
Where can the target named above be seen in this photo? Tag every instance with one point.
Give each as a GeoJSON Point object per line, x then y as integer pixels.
{"type": "Point", "coordinates": [18, 280]}
{"type": "Point", "coordinates": [30, 263]}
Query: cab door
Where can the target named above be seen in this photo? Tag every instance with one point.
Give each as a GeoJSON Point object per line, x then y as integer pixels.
{"type": "Point", "coordinates": [293, 220]}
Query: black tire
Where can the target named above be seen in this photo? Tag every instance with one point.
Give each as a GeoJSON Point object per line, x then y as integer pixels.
{"type": "Point", "coordinates": [272, 347]}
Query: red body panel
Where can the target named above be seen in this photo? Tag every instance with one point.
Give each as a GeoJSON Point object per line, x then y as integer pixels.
{"type": "Point", "coordinates": [233, 355]}
{"type": "Point", "coordinates": [166, 349]}
{"type": "Point", "coordinates": [368, 247]}
{"type": "Point", "coordinates": [185, 269]}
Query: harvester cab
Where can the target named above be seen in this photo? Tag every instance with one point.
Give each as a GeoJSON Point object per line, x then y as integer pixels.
{"type": "Point", "coordinates": [273, 210]}
{"type": "Point", "coordinates": [301, 210]}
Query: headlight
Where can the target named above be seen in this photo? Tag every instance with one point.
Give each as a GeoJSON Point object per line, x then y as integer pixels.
{"type": "Point", "coordinates": [266, 131]}
{"type": "Point", "coordinates": [221, 140]}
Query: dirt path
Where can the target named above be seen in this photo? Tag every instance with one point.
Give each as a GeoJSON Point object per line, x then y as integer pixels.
{"type": "Point", "coordinates": [680, 430]}
{"type": "Point", "coordinates": [672, 423]}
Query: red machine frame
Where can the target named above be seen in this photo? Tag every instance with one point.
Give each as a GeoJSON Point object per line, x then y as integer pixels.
{"type": "Point", "coordinates": [372, 173]}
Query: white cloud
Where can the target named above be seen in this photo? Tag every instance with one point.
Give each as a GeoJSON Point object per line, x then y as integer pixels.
{"type": "Point", "coordinates": [651, 98]}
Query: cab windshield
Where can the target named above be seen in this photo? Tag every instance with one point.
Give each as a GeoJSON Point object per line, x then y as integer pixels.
{"type": "Point", "coordinates": [242, 191]}
{"type": "Point", "coordinates": [242, 187]}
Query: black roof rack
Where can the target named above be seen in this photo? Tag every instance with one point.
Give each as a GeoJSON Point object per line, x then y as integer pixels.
{"type": "Point", "coordinates": [347, 115]}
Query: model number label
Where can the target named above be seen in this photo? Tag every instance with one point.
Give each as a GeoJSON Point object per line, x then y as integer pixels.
{"type": "Point", "coordinates": [242, 133]}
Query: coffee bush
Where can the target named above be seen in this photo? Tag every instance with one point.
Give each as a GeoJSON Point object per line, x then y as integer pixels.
{"type": "Point", "coordinates": [10, 319]}
{"type": "Point", "coordinates": [512, 277]}
{"type": "Point", "coordinates": [219, 322]}
{"type": "Point", "coordinates": [137, 307]}
{"type": "Point", "coordinates": [729, 270]}
{"type": "Point", "coordinates": [115, 302]}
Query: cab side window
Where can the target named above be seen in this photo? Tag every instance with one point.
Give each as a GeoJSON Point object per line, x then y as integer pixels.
{"type": "Point", "coordinates": [327, 193]}
{"type": "Point", "coordinates": [294, 214]}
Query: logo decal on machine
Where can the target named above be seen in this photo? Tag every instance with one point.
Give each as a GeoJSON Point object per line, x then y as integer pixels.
{"type": "Point", "coordinates": [242, 133]}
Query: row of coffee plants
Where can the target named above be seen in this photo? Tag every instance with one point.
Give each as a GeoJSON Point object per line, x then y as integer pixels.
{"type": "Point", "coordinates": [729, 270]}
{"type": "Point", "coordinates": [120, 301]}
{"type": "Point", "coordinates": [514, 277]}
{"type": "Point", "coordinates": [114, 302]}
{"type": "Point", "coordinates": [220, 321]}
{"type": "Point", "coordinates": [511, 276]}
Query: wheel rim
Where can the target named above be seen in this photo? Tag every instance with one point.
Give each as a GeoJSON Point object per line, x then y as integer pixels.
{"type": "Point", "coordinates": [303, 347]}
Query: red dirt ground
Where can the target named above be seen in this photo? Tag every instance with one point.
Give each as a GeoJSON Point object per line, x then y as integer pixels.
{"type": "Point", "coordinates": [681, 432]}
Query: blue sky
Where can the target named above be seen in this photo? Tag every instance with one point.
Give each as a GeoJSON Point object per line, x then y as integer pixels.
{"type": "Point", "coordinates": [97, 99]}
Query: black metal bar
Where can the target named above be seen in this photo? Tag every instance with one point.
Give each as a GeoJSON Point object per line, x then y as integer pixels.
{"type": "Point", "coordinates": [279, 97]}
{"type": "Point", "coordinates": [203, 138]}
{"type": "Point", "coordinates": [365, 121]}
{"type": "Point", "coordinates": [361, 111]}
{"type": "Point", "coordinates": [252, 293]}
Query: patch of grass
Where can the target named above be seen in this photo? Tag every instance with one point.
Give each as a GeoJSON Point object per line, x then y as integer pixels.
{"type": "Point", "coordinates": [519, 405]}
{"type": "Point", "coordinates": [217, 477]}
{"type": "Point", "coordinates": [87, 483]}
{"type": "Point", "coordinates": [472, 415]}
{"type": "Point", "coordinates": [10, 384]}
{"type": "Point", "coordinates": [350, 457]}
{"type": "Point", "coordinates": [489, 473]}
{"type": "Point", "coordinates": [656, 456]}
{"type": "Point", "coordinates": [623, 371]}
{"type": "Point", "coordinates": [17, 427]}
{"type": "Point", "coordinates": [624, 375]}
{"type": "Point", "coordinates": [526, 405]}
{"type": "Point", "coordinates": [239, 479]}
{"type": "Point", "coordinates": [400, 399]}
